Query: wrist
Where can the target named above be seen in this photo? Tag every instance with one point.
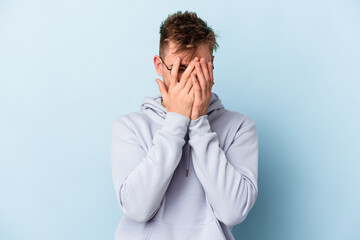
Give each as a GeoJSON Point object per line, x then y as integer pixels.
{"type": "Point", "coordinates": [197, 115]}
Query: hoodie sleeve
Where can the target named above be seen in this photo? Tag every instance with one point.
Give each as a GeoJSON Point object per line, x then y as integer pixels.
{"type": "Point", "coordinates": [228, 178]}
{"type": "Point", "coordinates": [141, 178]}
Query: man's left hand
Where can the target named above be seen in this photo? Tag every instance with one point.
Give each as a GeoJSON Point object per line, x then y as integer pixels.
{"type": "Point", "coordinates": [203, 81]}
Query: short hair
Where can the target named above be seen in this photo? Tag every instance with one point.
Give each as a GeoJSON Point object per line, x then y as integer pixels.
{"type": "Point", "coordinates": [188, 32]}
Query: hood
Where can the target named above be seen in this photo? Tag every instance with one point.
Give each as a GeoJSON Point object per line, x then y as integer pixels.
{"type": "Point", "coordinates": [154, 104]}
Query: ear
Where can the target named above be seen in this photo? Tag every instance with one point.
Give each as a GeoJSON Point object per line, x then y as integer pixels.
{"type": "Point", "coordinates": [158, 65]}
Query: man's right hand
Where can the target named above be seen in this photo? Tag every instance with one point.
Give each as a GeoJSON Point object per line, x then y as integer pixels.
{"type": "Point", "coordinates": [179, 96]}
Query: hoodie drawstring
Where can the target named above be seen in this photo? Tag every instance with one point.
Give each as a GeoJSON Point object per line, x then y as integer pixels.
{"type": "Point", "coordinates": [188, 160]}
{"type": "Point", "coordinates": [187, 164]}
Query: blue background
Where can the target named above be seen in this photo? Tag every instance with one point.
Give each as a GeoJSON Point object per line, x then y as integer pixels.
{"type": "Point", "coordinates": [69, 68]}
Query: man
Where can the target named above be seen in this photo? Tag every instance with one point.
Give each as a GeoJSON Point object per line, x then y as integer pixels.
{"type": "Point", "coordinates": [183, 166]}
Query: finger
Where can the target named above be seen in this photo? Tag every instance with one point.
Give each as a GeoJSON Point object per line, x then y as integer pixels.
{"type": "Point", "coordinates": [205, 71]}
{"type": "Point", "coordinates": [209, 65]}
{"type": "Point", "coordinates": [196, 86]}
{"type": "Point", "coordinates": [200, 77]}
{"type": "Point", "coordinates": [192, 90]}
{"type": "Point", "coordinates": [190, 77]}
{"type": "Point", "coordinates": [188, 84]}
{"type": "Point", "coordinates": [175, 71]}
{"type": "Point", "coordinates": [186, 75]}
{"type": "Point", "coordinates": [162, 88]}
{"type": "Point", "coordinates": [211, 72]}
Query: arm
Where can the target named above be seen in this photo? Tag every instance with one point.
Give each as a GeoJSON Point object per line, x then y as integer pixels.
{"type": "Point", "coordinates": [141, 178]}
{"type": "Point", "coordinates": [229, 179]}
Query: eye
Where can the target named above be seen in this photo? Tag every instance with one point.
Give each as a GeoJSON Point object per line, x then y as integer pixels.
{"type": "Point", "coordinates": [182, 69]}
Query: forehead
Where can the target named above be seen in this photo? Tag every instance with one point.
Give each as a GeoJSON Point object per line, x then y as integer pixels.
{"type": "Point", "coordinates": [202, 52]}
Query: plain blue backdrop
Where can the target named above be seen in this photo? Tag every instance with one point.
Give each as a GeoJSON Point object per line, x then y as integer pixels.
{"type": "Point", "coordinates": [69, 68]}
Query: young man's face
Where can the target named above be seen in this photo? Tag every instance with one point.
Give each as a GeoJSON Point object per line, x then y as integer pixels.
{"type": "Point", "coordinates": [170, 57]}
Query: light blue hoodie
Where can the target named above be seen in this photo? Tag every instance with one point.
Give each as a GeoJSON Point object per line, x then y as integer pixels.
{"type": "Point", "coordinates": [182, 179]}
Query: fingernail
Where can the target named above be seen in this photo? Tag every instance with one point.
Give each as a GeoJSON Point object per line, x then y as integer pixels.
{"type": "Point", "coordinates": [177, 58]}
{"type": "Point", "coordinates": [196, 58]}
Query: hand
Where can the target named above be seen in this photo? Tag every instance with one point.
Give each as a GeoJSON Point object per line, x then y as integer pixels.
{"type": "Point", "coordinates": [203, 81]}
{"type": "Point", "coordinates": [179, 96]}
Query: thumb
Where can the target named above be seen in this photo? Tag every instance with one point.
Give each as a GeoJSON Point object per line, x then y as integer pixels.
{"type": "Point", "coordinates": [162, 87]}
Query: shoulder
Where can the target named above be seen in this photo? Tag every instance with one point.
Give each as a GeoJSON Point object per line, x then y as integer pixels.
{"type": "Point", "coordinates": [233, 119]}
{"type": "Point", "coordinates": [241, 117]}
{"type": "Point", "coordinates": [129, 121]}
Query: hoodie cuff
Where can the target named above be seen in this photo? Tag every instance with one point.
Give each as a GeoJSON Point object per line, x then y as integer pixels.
{"type": "Point", "coordinates": [176, 124]}
{"type": "Point", "coordinates": [199, 127]}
